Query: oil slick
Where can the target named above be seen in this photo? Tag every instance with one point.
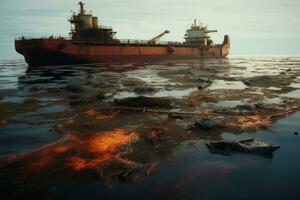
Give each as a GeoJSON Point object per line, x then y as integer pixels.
{"type": "Point", "coordinates": [93, 149]}
{"type": "Point", "coordinates": [143, 140]}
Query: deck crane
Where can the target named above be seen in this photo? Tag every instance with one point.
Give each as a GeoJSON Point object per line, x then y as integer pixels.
{"type": "Point", "coordinates": [156, 38]}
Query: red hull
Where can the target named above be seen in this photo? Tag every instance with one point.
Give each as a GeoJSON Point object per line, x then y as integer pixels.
{"type": "Point", "coordinates": [38, 52]}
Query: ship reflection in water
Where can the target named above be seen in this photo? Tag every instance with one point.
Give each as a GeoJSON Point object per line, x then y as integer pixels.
{"type": "Point", "coordinates": [114, 131]}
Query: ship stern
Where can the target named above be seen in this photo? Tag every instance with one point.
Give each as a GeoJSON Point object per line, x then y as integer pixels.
{"type": "Point", "coordinates": [226, 46]}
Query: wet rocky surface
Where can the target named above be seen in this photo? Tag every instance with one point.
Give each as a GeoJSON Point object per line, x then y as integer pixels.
{"type": "Point", "coordinates": [105, 129]}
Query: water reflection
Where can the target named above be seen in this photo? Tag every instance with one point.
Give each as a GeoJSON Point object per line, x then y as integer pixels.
{"type": "Point", "coordinates": [61, 122]}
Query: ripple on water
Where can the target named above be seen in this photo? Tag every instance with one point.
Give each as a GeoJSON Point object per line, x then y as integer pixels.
{"type": "Point", "coordinates": [162, 93]}
{"type": "Point", "coordinates": [295, 85]}
{"type": "Point", "coordinates": [293, 94]}
{"type": "Point", "coordinates": [50, 109]}
{"type": "Point", "coordinates": [227, 85]}
{"type": "Point", "coordinates": [13, 99]}
{"type": "Point", "coordinates": [42, 111]}
{"type": "Point", "coordinates": [275, 100]}
{"type": "Point", "coordinates": [15, 138]}
{"type": "Point", "coordinates": [224, 104]}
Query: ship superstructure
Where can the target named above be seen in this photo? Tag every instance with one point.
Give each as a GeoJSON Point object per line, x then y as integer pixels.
{"type": "Point", "coordinates": [90, 42]}
{"type": "Point", "coordinates": [85, 27]}
{"type": "Point", "coordinates": [197, 35]}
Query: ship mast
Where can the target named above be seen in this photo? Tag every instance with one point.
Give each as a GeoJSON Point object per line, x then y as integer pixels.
{"type": "Point", "coordinates": [82, 11]}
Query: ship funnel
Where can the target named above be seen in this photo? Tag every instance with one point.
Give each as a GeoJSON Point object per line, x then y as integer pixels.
{"type": "Point", "coordinates": [95, 22]}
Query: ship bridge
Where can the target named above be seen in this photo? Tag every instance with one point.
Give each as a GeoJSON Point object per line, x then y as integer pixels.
{"type": "Point", "coordinates": [197, 35]}
{"type": "Point", "coordinates": [86, 27]}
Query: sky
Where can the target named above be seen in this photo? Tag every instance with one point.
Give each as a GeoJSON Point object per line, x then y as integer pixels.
{"type": "Point", "coordinates": [255, 27]}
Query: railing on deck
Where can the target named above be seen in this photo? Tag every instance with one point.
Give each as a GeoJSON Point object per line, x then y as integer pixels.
{"type": "Point", "coordinates": [105, 27]}
{"type": "Point", "coordinates": [32, 38]}
{"type": "Point", "coordinates": [122, 41]}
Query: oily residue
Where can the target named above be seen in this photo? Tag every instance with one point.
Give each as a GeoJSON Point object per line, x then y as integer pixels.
{"type": "Point", "coordinates": [260, 121]}
{"type": "Point", "coordinates": [253, 121]}
{"type": "Point", "coordinates": [99, 115]}
{"type": "Point", "coordinates": [77, 152]}
{"type": "Point", "coordinates": [3, 122]}
{"type": "Point", "coordinates": [104, 146]}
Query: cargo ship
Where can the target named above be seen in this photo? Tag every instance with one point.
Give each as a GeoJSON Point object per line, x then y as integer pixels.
{"type": "Point", "coordinates": [91, 42]}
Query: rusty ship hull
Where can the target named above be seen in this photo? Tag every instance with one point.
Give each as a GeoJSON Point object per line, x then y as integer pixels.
{"type": "Point", "coordinates": [91, 42]}
{"type": "Point", "coordinates": [39, 52]}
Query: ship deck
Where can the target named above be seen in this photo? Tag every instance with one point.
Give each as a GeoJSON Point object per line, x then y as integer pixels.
{"type": "Point", "coordinates": [118, 42]}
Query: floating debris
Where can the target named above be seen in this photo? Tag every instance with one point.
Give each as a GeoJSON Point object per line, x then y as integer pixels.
{"type": "Point", "coordinates": [120, 169]}
{"type": "Point", "coordinates": [142, 101]}
{"type": "Point", "coordinates": [204, 83]}
{"type": "Point", "coordinates": [246, 107]}
{"type": "Point", "coordinates": [206, 124]}
{"type": "Point", "coordinates": [247, 82]}
{"type": "Point", "coordinates": [75, 86]}
{"type": "Point", "coordinates": [144, 90]}
{"type": "Point", "coordinates": [243, 146]}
